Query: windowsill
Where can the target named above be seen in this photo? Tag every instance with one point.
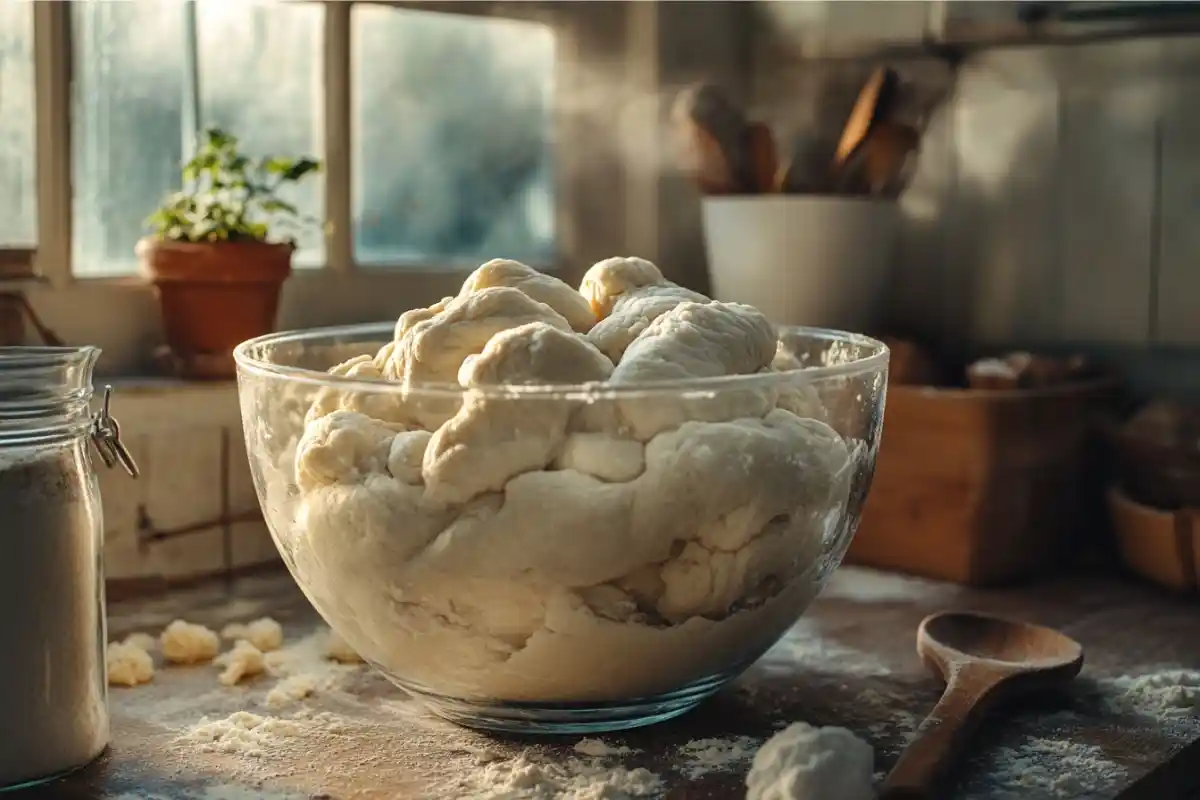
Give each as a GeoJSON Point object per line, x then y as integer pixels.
{"type": "Point", "coordinates": [153, 405]}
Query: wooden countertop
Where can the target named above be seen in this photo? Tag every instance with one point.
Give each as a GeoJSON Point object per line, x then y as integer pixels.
{"type": "Point", "coordinates": [850, 661]}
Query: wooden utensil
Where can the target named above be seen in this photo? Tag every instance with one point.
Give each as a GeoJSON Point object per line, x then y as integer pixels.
{"type": "Point", "coordinates": [805, 170]}
{"type": "Point", "coordinates": [874, 104]}
{"type": "Point", "coordinates": [712, 130]}
{"type": "Point", "coordinates": [762, 155]}
{"type": "Point", "coordinates": [983, 660]}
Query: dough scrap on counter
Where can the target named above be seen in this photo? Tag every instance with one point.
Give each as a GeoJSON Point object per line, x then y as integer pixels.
{"type": "Point", "coordinates": [802, 762]}
{"type": "Point", "coordinates": [338, 650]}
{"type": "Point", "coordinates": [539, 286]}
{"type": "Point", "coordinates": [243, 661]}
{"type": "Point", "coordinates": [291, 689]}
{"type": "Point", "coordinates": [142, 640]}
{"type": "Point", "coordinates": [265, 634]}
{"type": "Point", "coordinates": [128, 664]}
{"type": "Point", "coordinates": [186, 643]}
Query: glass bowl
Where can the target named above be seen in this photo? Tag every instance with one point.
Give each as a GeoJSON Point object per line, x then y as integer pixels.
{"type": "Point", "coordinates": [570, 559]}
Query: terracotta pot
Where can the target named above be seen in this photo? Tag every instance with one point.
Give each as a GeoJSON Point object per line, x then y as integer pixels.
{"type": "Point", "coordinates": [214, 296]}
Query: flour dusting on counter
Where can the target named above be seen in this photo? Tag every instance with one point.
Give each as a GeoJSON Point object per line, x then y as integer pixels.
{"type": "Point", "coordinates": [531, 778]}
{"type": "Point", "coordinates": [863, 585]}
{"type": "Point", "coordinates": [1168, 693]}
{"type": "Point", "coordinates": [1064, 769]}
{"type": "Point", "coordinates": [702, 756]}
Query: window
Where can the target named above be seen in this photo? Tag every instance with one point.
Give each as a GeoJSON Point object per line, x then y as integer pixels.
{"type": "Point", "coordinates": [138, 102]}
{"type": "Point", "coordinates": [18, 218]}
{"type": "Point", "coordinates": [451, 134]}
{"type": "Point", "coordinates": [441, 125]}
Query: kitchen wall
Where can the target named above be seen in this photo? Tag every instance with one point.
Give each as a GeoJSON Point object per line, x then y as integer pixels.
{"type": "Point", "coordinates": [1056, 201]}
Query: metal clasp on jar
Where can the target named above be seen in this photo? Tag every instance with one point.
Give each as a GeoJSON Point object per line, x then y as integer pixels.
{"type": "Point", "coordinates": [106, 436]}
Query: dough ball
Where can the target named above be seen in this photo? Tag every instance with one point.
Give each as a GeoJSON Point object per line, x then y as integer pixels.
{"type": "Point", "coordinates": [632, 313]}
{"type": "Point", "coordinates": [609, 279]}
{"type": "Point", "coordinates": [243, 661]}
{"type": "Point", "coordinates": [432, 350]}
{"type": "Point", "coordinates": [142, 640]}
{"type": "Point", "coordinates": [806, 763]}
{"type": "Point", "coordinates": [186, 643]}
{"type": "Point", "coordinates": [495, 438]}
{"type": "Point", "coordinates": [128, 664]}
{"type": "Point", "coordinates": [539, 286]}
{"type": "Point", "coordinates": [265, 634]}
{"type": "Point", "coordinates": [337, 649]}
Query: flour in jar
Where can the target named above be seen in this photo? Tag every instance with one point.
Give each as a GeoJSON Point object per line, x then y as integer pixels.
{"type": "Point", "coordinates": [54, 718]}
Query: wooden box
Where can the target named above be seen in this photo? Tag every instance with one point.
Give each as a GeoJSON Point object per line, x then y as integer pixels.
{"type": "Point", "coordinates": [980, 487]}
{"type": "Point", "coordinates": [1163, 546]}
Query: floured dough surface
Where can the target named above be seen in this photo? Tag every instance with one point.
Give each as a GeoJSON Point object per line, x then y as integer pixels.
{"type": "Point", "coordinates": [803, 762]}
{"type": "Point", "coordinates": [186, 643]}
{"type": "Point", "coordinates": [128, 664]}
{"type": "Point", "coordinates": [265, 634]}
{"type": "Point", "coordinates": [243, 661]}
{"type": "Point", "coordinates": [612, 541]}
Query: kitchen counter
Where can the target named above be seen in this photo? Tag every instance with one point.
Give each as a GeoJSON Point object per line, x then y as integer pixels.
{"type": "Point", "coordinates": [850, 661]}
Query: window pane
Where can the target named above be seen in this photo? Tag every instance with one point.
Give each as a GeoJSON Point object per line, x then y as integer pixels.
{"type": "Point", "coordinates": [18, 216]}
{"type": "Point", "coordinates": [260, 79]}
{"type": "Point", "coordinates": [452, 157]}
{"type": "Point", "coordinates": [127, 126]}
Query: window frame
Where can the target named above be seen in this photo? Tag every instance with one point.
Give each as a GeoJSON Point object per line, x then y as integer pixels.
{"type": "Point", "coordinates": [119, 314]}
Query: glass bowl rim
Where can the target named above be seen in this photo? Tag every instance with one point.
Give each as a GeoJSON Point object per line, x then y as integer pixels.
{"type": "Point", "coordinates": [248, 364]}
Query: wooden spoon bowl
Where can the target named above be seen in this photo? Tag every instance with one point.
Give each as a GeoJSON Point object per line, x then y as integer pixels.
{"type": "Point", "coordinates": [984, 660]}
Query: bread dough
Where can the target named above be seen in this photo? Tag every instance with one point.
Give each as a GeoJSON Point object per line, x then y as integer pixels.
{"type": "Point", "coordinates": [128, 664]}
{"type": "Point", "coordinates": [806, 763]}
{"type": "Point", "coordinates": [538, 285]}
{"type": "Point", "coordinates": [185, 643]}
{"type": "Point", "coordinates": [265, 634]}
{"type": "Point", "coordinates": [243, 661]}
{"type": "Point", "coordinates": [590, 545]}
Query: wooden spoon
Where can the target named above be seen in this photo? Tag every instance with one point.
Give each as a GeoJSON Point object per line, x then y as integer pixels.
{"type": "Point", "coordinates": [984, 660]}
{"type": "Point", "coordinates": [874, 104]}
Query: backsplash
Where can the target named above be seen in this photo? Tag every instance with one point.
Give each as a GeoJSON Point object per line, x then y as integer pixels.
{"type": "Point", "coordinates": [1056, 201]}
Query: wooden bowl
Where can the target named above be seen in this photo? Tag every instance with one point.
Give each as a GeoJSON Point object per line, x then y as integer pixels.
{"type": "Point", "coordinates": [1162, 546]}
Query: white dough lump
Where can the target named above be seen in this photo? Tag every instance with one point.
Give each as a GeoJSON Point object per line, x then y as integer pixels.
{"type": "Point", "coordinates": [802, 762]}
{"type": "Point", "coordinates": [504, 541]}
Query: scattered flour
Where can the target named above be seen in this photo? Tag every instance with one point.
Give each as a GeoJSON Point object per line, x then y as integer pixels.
{"type": "Point", "coordinates": [337, 649]}
{"type": "Point", "coordinates": [598, 749]}
{"type": "Point", "coordinates": [243, 661]}
{"type": "Point", "coordinates": [1064, 769]}
{"type": "Point", "coordinates": [291, 690]}
{"type": "Point", "coordinates": [529, 778]}
{"type": "Point", "coordinates": [185, 643]}
{"type": "Point", "coordinates": [128, 664]}
{"type": "Point", "coordinates": [1170, 693]}
{"type": "Point", "coordinates": [702, 756]}
{"type": "Point", "coordinates": [241, 733]}
{"type": "Point", "coordinates": [806, 763]}
{"type": "Point", "coordinates": [864, 585]}
{"type": "Point", "coordinates": [265, 634]}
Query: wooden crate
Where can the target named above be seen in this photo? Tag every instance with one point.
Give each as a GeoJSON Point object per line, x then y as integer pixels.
{"type": "Point", "coordinates": [1163, 546]}
{"type": "Point", "coordinates": [980, 487]}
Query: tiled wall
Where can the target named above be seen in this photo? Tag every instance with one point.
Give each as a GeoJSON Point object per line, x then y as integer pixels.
{"type": "Point", "coordinates": [1057, 201]}
{"type": "Point", "coordinates": [193, 511]}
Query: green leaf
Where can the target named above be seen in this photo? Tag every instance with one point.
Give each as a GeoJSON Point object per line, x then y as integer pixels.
{"type": "Point", "coordinates": [276, 206]}
{"type": "Point", "coordinates": [277, 165]}
{"type": "Point", "coordinates": [302, 167]}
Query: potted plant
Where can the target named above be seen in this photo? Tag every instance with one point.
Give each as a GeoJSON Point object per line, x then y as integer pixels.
{"type": "Point", "coordinates": [215, 256]}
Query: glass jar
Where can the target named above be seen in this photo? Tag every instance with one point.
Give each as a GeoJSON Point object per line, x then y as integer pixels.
{"type": "Point", "coordinates": [52, 624]}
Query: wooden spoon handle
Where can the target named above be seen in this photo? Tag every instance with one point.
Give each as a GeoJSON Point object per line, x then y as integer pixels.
{"type": "Point", "coordinates": [939, 740]}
